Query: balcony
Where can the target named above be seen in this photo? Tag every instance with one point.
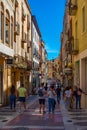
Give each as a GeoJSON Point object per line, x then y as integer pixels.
{"type": "Point", "coordinates": [75, 47]}
{"type": "Point", "coordinates": [71, 47]}
{"type": "Point", "coordinates": [19, 62]}
{"type": "Point", "coordinates": [68, 47]}
{"type": "Point", "coordinates": [72, 9]}
{"type": "Point", "coordinates": [17, 29]}
{"type": "Point", "coordinates": [16, 3]}
{"type": "Point", "coordinates": [24, 38]}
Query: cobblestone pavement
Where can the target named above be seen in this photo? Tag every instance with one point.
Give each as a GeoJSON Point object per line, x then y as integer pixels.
{"type": "Point", "coordinates": [31, 119]}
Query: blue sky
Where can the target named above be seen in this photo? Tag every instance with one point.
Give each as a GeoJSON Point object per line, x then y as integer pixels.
{"type": "Point", "coordinates": [49, 15]}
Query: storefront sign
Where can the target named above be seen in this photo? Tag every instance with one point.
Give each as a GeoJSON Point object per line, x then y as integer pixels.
{"type": "Point", "coordinates": [9, 61]}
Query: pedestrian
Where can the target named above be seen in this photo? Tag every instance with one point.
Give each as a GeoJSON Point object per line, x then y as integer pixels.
{"type": "Point", "coordinates": [42, 94]}
{"type": "Point", "coordinates": [51, 99]}
{"type": "Point", "coordinates": [78, 93]}
{"type": "Point", "coordinates": [67, 96]}
{"type": "Point", "coordinates": [12, 98]}
{"type": "Point", "coordinates": [22, 94]}
{"type": "Point", "coordinates": [71, 97]}
{"type": "Point", "coordinates": [45, 87]}
{"type": "Point", "coordinates": [58, 93]}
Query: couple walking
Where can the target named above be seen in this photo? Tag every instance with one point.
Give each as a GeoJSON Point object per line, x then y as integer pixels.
{"type": "Point", "coordinates": [19, 95]}
{"type": "Point", "coordinates": [42, 98]}
{"type": "Point", "coordinates": [71, 95]}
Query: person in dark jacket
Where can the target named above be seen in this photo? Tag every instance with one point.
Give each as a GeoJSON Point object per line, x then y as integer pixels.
{"type": "Point", "coordinates": [58, 92]}
{"type": "Point", "coordinates": [12, 98]}
{"type": "Point", "coordinates": [78, 93]}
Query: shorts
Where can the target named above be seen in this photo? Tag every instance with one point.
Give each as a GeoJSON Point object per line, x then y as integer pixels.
{"type": "Point", "coordinates": [42, 101]}
{"type": "Point", "coordinates": [22, 99]}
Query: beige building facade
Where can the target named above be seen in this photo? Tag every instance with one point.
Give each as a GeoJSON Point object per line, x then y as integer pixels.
{"type": "Point", "coordinates": [18, 54]}
{"type": "Point", "coordinates": [6, 46]}
{"type": "Point", "coordinates": [15, 46]}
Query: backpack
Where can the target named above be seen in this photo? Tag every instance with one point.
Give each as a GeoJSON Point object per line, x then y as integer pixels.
{"type": "Point", "coordinates": [40, 92]}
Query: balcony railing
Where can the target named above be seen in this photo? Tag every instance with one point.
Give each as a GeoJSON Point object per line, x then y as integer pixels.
{"type": "Point", "coordinates": [68, 47]}
{"type": "Point", "coordinates": [17, 29]}
{"type": "Point", "coordinates": [71, 46]}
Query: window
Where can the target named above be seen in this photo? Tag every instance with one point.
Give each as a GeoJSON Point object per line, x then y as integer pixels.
{"type": "Point", "coordinates": [11, 32]}
{"type": "Point", "coordinates": [76, 30]}
{"type": "Point", "coordinates": [2, 22]}
{"type": "Point", "coordinates": [7, 28]}
{"type": "Point", "coordinates": [83, 19]}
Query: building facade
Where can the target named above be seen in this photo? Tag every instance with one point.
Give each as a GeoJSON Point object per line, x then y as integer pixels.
{"type": "Point", "coordinates": [53, 69]}
{"type": "Point", "coordinates": [79, 32]}
{"type": "Point", "coordinates": [6, 46]}
{"type": "Point", "coordinates": [15, 46]}
{"type": "Point", "coordinates": [75, 45]}
{"type": "Point", "coordinates": [36, 37]}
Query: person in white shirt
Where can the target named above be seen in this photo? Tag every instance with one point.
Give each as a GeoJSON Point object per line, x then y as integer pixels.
{"type": "Point", "coordinates": [68, 95]}
{"type": "Point", "coordinates": [51, 99]}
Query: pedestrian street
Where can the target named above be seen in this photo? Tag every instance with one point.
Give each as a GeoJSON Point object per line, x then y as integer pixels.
{"type": "Point", "coordinates": [31, 119]}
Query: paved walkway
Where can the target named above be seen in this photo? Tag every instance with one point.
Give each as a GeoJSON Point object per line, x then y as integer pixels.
{"type": "Point", "coordinates": [31, 119]}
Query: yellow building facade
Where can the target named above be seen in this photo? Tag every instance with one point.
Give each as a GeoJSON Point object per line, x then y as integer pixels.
{"type": "Point", "coordinates": [79, 32]}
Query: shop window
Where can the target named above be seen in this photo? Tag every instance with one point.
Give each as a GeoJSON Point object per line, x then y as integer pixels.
{"type": "Point", "coordinates": [2, 22]}
{"type": "Point", "coordinates": [7, 28]}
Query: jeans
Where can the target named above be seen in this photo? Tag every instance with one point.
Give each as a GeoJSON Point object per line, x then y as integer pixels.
{"type": "Point", "coordinates": [78, 101]}
{"type": "Point", "coordinates": [51, 105]}
{"type": "Point", "coordinates": [58, 99]}
{"type": "Point", "coordinates": [12, 101]}
{"type": "Point", "coordinates": [67, 102]}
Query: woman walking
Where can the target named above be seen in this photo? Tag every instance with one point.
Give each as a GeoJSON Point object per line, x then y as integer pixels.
{"type": "Point", "coordinates": [12, 98]}
{"type": "Point", "coordinates": [51, 99]}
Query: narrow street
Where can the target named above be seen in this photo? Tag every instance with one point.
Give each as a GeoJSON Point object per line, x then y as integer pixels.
{"type": "Point", "coordinates": [32, 120]}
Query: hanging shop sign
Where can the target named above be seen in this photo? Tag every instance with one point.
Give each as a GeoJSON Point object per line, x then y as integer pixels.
{"type": "Point", "coordinates": [9, 61]}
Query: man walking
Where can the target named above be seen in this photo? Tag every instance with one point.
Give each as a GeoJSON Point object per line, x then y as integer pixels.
{"type": "Point", "coordinates": [58, 93]}
{"type": "Point", "coordinates": [41, 93]}
{"type": "Point", "coordinates": [22, 93]}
